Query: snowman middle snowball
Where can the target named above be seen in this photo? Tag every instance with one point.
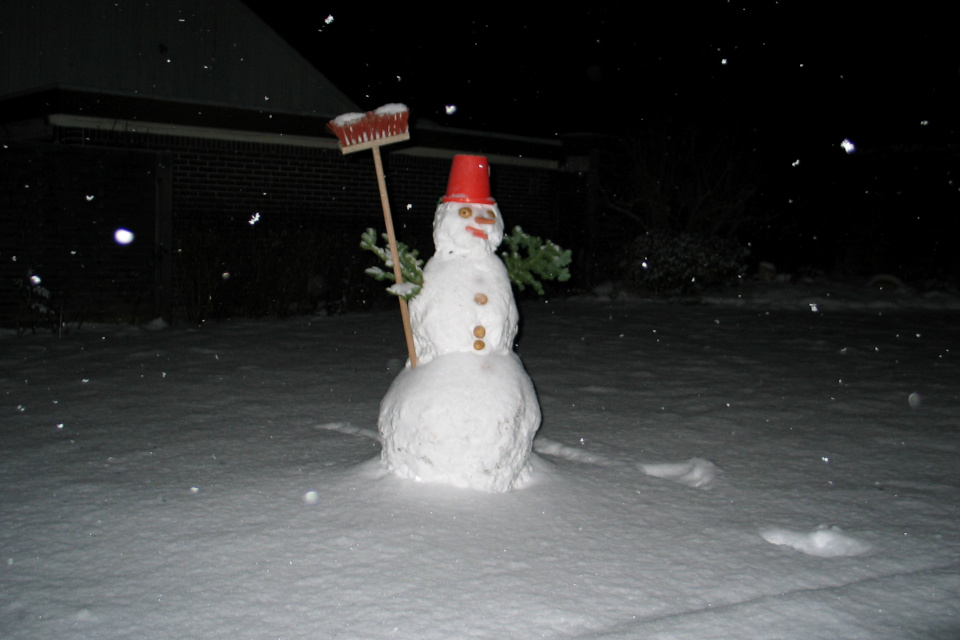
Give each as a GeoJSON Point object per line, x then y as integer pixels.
{"type": "Point", "coordinates": [466, 304]}
{"type": "Point", "coordinates": [467, 414]}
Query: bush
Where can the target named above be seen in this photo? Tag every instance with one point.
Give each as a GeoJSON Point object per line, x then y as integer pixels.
{"type": "Point", "coordinates": [669, 262]}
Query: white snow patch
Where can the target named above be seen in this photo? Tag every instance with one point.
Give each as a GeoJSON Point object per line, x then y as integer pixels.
{"type": "Point", "coordinates": [695, 472]}
{"type": "Point", "coordinates": [548, 447]}
{"type": "Point", "coordinates": [402, 289]}
{"type": "Point", "coordinates": [391, 109]}
{"type": "Point", "coordinates": [824, 541]}
{"type": "Point", "coordinates": [343, 427]}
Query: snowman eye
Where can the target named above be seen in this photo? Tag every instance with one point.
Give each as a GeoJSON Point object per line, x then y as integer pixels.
{"type": "Point", "coordinates": [491, 214]}
{"type": "Point", "coordinates": [466, 212]}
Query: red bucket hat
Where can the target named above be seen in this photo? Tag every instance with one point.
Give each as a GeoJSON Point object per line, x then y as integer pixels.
{"type": "Point", "coordinates": [469, 180]}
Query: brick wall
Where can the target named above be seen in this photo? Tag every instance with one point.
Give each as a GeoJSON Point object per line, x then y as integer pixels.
{"type": "Point", "coordinates": [267, 228]}
{"type": "Point", "coordinates": [221, 183]}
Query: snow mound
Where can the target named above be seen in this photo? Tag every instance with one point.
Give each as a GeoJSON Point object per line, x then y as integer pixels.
{"type": "Point", "coordinates": [695, 472]}
{"type": "Point", "coordinates": [549, 447]}
{"type": "Point", "coordinates": [824, 541]}
{"type": "Point", "coordinates": [348, 429]}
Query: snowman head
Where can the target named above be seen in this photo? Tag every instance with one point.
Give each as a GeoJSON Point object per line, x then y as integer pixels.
{"type": "Point", "coordinates": [467, 229]}
{"type": "Point", "coordinates": [467, 222]}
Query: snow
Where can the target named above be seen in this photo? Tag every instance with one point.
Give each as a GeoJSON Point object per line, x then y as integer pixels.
{"type": "Point", "coordinates": [402, 289]}
{"type": "Point", "coordinates": [391, 109]}
{"type": "Point", "coordinates": [695, 472]}
{"type": "Point", "coordinates": [823, 541]}
{"type": "Point", "coordinates": [461, 419]}
{"type": "Point", "coordinates": [465, 286]}
{"type": "Point", "coordinates": [738, 466]}
{"type": "Point", "coordinates": [345, 119]}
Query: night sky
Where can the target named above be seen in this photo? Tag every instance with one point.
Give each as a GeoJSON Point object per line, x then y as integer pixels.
{"type": "Point", "coordinates": [793, 66]}
{"type": "Point", "coordinates": [798, 78]}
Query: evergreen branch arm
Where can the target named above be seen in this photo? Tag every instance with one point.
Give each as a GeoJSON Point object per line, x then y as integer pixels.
{"type": "Point", "coordinates": [529, 259]}
{"type": "Point", "coordinates": [410, 266]}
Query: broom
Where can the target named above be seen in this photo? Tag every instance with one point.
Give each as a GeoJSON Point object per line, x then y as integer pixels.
{"type": "Point", "coordinates": [372, 130]}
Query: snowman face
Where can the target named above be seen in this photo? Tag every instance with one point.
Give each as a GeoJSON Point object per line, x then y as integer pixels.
{"type": "Point", "coordinates": [464, 228]}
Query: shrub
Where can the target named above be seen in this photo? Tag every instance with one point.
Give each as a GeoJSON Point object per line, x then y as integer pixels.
{"type": "Point", "coordinates": [669, 262]}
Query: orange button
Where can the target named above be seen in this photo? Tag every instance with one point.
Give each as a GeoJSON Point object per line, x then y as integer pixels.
{"type": "Point", "coordinates": [480, 298]}
{"type": "Point", "coordinates": [479, 331]}
{"type": "Point", "coordinates": [478, 345]}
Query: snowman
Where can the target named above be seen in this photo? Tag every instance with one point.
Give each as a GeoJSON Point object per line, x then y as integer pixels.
{"type": "Point", "coordinates": [467, 413]}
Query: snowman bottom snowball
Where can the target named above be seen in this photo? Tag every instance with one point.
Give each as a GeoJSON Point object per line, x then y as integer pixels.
{"type": "Point", "coordinates": [462, 420]}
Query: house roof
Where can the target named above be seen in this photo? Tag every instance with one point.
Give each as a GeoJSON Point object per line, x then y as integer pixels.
{"type": "Point", "coordinates": [194, 68]}
{"type": "Point", "coordinates": [215, 52]}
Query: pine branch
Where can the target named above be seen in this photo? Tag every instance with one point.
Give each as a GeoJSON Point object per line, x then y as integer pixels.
{"type": "Point", "coordinates": [410, 266]}
{"type": "Point", "coordinates": [528, 258]}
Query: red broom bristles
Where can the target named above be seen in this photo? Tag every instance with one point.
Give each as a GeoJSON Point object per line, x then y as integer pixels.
{"type": "Point", "coordinates": [355, 128]}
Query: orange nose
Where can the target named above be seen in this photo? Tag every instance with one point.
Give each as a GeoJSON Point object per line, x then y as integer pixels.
{"type": "Point", "coordinates": [484, 220]}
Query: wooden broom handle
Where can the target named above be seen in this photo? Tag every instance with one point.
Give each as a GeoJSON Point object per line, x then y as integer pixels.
{"type": "Point", "coordinates": [395, 255]}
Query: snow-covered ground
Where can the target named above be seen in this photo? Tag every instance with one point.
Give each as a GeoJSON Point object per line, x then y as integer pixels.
{"type": "Point", "coordinates": [781, 463]}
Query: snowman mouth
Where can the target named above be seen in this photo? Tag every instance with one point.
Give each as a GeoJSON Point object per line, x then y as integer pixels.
{"type": "Point", "coordinates": [477, 232]}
